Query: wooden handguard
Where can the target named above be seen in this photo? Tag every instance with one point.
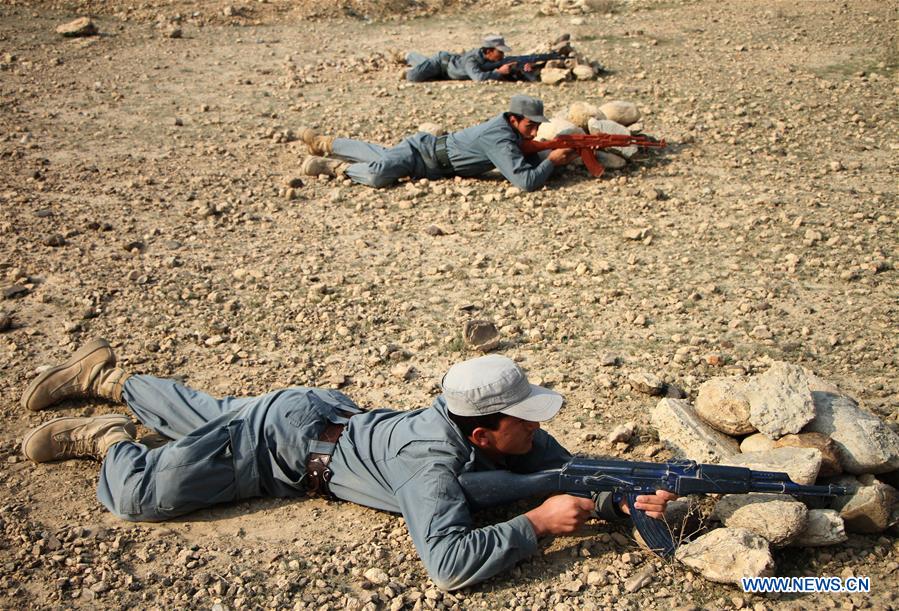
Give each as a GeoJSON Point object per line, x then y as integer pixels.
{"type": "Point", "coordinates": [586, 144]}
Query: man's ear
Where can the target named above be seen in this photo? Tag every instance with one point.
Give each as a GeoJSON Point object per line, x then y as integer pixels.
{"type": "Point", "coordinates": [480, 437]}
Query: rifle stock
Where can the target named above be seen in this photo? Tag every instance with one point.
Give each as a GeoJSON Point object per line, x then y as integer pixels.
{"type": "Point", "coordinates": [627, 480]}
{"type": "Point", "coordinates": [587, 144]}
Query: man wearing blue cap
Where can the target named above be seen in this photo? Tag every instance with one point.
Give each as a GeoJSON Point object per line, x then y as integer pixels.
{"type": "Point", "coordinates": [300, 441]}
{"type": "Point", "coordinates": [494, 144]}
{"type": "Point", "coordinates": [474, 65]}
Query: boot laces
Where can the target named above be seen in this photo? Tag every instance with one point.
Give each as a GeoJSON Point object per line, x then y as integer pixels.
{"type": "Point", "coordinates": [71, 445]}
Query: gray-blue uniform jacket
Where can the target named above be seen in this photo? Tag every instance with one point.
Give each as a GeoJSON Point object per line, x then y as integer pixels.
{"type": "Point", "coordinates": [470, 65]}
{"type": "Point", "coordinates": [472, 151]}
{"type": "Point", "coordinates": [408, 462]}
{"type": "Point", "coordinates": [235, 448]}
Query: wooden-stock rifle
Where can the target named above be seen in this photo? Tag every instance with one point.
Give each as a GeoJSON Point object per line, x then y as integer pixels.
{"type": "Point", "coordinates": [587, 144]}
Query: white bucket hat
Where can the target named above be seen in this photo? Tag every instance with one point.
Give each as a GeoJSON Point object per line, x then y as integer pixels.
{"type": "Point", "coordinates": [494, 383]}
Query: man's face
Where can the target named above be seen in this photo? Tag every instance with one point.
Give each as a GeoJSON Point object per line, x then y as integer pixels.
{"type": "Point", "coordinates": [525, 127]}
{"type": "Point", "coordinates": [513, 436]}
{"type": "Point", "coordinates": [494, 55]}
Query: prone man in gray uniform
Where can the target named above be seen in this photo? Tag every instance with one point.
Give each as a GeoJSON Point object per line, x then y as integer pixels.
{"type": "Point", "coordinates": [473, 151]}
{"type": "Point", "coordinates": [299, 441]}
{"type": "Point", "coordinates": [471, 65]}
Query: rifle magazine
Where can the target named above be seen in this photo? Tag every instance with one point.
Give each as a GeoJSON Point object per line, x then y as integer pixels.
{"type": "Point", "coordinates": [655, 533]}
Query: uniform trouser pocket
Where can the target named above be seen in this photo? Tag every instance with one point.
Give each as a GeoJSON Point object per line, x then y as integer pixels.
{"type": "Point", "coordinates": [194, 472]}
{"type": "Point", "coordinates": [197, 472]}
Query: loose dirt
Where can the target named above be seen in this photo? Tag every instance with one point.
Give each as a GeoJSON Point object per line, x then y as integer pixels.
{"type": "Point", "coordinates": [145, 200]}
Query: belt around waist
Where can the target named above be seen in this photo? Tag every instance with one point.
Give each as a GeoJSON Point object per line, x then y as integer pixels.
{"type": "Point", "coordinates": [318, 465]}
{"type": "Point", "coordinates": [442, 155]}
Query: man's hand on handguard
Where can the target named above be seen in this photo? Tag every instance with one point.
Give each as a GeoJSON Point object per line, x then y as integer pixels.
{"type": "Point", "coordinates": [562, 156]}
{"type": "Point", "coordinates": [560, 514]}
{"type": "Point", "coordinates": [652, 504]}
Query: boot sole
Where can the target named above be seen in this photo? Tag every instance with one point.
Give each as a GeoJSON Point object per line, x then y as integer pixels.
{"type": "Point", "coordinates": [85, 350]}
{"type": "Point", "coordinates": [125, 420]}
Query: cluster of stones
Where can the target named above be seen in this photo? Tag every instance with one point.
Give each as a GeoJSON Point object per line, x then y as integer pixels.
{"type": "Point", "coordinates": [573, 7]}
{"type": "Point", "coordinates": [613, 117]}
{"type": "Point", "coordinates": [785, 420]}
{"type": "Point", "coordinates": [575, 67]}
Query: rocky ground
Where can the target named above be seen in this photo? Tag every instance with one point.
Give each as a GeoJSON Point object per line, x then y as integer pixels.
{"type": "Point", "coordinates": [146, 198]}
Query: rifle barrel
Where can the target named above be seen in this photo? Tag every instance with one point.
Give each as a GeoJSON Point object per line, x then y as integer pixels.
{"type": "Point", "coordinates": [534, 58]}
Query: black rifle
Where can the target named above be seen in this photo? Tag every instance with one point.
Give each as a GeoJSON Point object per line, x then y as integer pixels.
{"type": "Point", "coordinates": [521, 60]}
{"type": "Point", "coordinates": [627, 480]}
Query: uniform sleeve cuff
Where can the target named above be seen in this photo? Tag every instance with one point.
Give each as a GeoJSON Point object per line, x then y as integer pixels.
{"type": "Point", "coordinates": [607, 508]}
{"type": "Point", "coordinates": [522, 525]}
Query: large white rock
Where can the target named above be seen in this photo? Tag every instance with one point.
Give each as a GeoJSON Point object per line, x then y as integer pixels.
{"type": "Point", "coordinates": [604, 126]}
{"type": "Point", "coordinates": [869, 507]}
{"type": "Point", "coordinates": [579, 113]}
{"type": "Point", "coordinates": [557, 126]}
{"type": "Point", "coordinates": [865, 443]}
{"type": "Point", "coordinates": [554, 76]}
{"type": "Point", "coordinates": [758, 442]}
{"type": "Point", "coordinates": [681, 429]}
{"type": "Point", "coordinates": [823, 527]}
{"type": "Point", "coordinates": [726, 555]}
{"type": "Point", "coordinates": [584, 72]}
{"type": "Point", "coordinates": [777, 518]}
{"type": "Point", "coordinates": [620, 111]}
{"type": "Point", "coordinates": [780, 400]}
{"type": "Point", "coordinates": [801, 464]}
{"type": "Point", "coordinates": [722, 403]}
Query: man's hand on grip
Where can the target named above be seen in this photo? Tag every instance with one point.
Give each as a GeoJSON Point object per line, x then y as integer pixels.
{"type": "Point", "coordinates": [562, 156]}
{"type": "Point", "coordinates": [560, 514]}
{"type": "Point", "coordinates": [652, 504]}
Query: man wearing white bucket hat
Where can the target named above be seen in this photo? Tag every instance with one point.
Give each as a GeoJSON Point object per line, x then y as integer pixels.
{"type": "Point", "coordinates": [299, 441]}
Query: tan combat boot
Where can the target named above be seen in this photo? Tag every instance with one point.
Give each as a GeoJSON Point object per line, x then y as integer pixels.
{"type": "Point", "coordinates": [396, 55]}
{"type": "Point", "coordinates": [318, 166]}
{"type": "Point", "coordinates": [90, 372]}
{"type": "Point", "coordinates": [65, 438]}
{"type": "Point", "coordinates": [317, 144]}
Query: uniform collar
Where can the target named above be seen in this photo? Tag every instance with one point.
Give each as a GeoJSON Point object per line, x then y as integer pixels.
{"type": "Point", "coordinates": [477, 460]}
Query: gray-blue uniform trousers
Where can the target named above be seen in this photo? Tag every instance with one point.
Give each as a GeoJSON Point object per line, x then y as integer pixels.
{"type": "Point", "coordinates": [236, 448]}
{"type": "Point", "coordinates": [470, 65]}
{"type": "Point", "coordinates": [473, 151]}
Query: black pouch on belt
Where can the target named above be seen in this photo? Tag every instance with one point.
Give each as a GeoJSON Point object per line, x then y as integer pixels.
{"type": "Point", "coordinates": [318, 470]}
